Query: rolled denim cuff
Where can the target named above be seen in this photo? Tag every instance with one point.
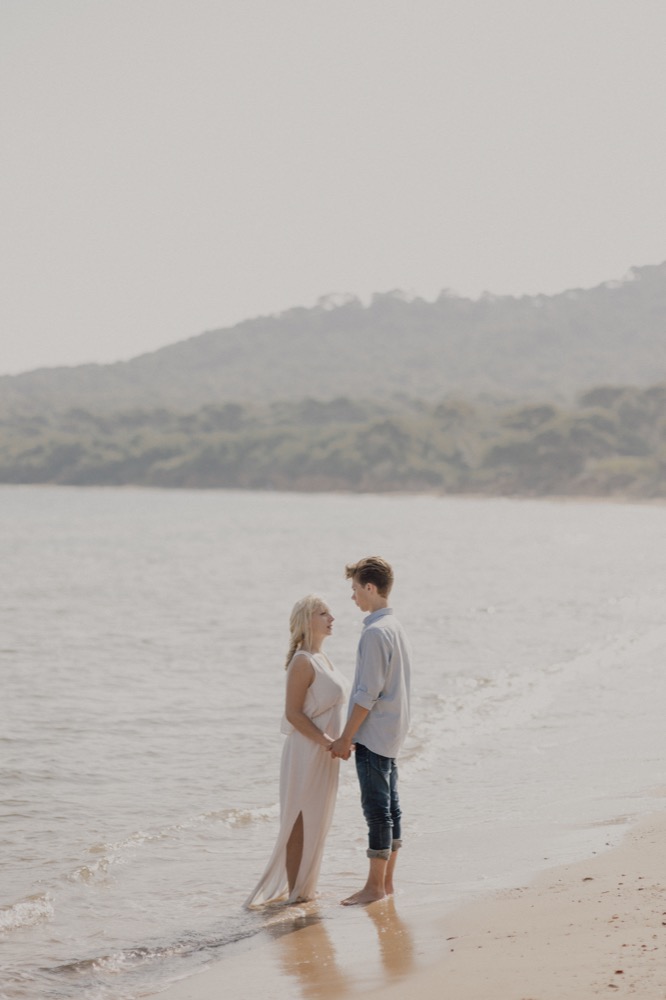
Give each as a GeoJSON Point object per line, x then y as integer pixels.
{"type": "Point", "coordinates": [384, 854]}
{"type": "Point", "coordinates": [396, 844]}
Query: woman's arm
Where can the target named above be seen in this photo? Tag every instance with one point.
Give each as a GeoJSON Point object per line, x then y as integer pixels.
{"type": "Point", "coordinates": [300, 677]}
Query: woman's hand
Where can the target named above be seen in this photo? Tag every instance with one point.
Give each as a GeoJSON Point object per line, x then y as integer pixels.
{"type": "Point", "coordinates": [341, 748]}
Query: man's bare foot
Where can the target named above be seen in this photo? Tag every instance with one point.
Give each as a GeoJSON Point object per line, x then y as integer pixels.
{"type": "Point", "coordinates": [363, 897]}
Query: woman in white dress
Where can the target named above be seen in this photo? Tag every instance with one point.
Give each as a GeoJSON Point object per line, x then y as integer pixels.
{"type": "Point", "coordinates": [316, 697]}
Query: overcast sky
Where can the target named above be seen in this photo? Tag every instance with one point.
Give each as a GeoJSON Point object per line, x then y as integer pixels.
{"type": "Point", "coordinates": [173, 166]}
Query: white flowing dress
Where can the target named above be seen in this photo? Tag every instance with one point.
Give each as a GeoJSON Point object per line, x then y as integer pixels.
{"type": "Point", "coordinates": [308, 785]}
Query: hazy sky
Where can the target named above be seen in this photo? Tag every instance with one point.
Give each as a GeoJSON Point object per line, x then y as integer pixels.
{"type": "Point", "coordinates": [172, 166]}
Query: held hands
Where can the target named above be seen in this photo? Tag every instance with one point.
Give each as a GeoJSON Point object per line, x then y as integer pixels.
{"type": "Point", "coordinates": [341, 748]}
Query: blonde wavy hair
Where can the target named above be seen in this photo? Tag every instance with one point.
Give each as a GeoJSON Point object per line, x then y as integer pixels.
{"type": "Point", "coordinates": [300, 623]}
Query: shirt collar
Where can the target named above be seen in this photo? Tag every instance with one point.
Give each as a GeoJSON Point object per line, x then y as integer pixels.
{"type": "Point", "coordinates": [376, 615]}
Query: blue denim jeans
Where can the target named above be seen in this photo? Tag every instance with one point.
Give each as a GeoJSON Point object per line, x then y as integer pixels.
{"type": "Point", "coordinates": [378, 778]}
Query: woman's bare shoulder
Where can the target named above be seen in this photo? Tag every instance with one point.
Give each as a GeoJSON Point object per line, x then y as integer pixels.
{"type": "Point", "coordinates": [300, 672]}
{"type": "Point", "coordinates": [300, 661]}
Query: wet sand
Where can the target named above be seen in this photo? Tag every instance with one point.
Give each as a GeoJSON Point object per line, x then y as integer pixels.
{"type": "Point", "coordinates": [593, 928]}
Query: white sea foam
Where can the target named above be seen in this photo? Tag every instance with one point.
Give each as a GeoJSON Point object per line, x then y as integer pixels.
{"type": "Point", "coordinates": [26, 913]}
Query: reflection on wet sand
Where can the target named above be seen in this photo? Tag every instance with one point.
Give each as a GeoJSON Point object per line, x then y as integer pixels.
{"type": "Point", "coordinates": [311, 959]}
{"type": "Point", "coordinates": [395, 941]}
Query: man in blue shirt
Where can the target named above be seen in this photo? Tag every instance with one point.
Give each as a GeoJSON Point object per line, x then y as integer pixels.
{"type": "Point", "coordinates": [378, 721]}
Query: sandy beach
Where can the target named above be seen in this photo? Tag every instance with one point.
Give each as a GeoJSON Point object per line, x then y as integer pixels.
{"type": "Point", "coordinates": [594, 928]}
{"type": "Point", "coordinates": [537, 741]}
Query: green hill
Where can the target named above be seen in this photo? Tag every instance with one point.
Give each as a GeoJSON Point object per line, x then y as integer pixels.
{"type": "Point", "coordinates": [531, 396]}
{"type": "Point", "coordinates": [612, 442]}
{"type": "Point", "coordinates": [535, 347]}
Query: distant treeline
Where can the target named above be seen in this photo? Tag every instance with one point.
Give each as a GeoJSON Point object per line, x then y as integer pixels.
{"type": "Point", "coordinates": [612, 442]}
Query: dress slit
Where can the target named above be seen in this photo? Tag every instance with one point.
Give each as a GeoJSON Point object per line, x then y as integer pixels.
{"type": "Point", "coordinates": [292, 876]}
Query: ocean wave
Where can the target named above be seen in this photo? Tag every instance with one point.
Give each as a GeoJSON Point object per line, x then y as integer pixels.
{"type": "Point", "coordinates": [26, 913]}
{"type": "Point", "coordinates": [227, 817]}
{"type": "Point", "coordinates": [96, 872]}
{"type": "Point", "coordinates": [471, 709]}
{"type": "Point", "coordinates": [116, 852]}
{"type": "Point", "coordinates": [237, 817]}
{"type": "Point", "coordinates": [131, 959]}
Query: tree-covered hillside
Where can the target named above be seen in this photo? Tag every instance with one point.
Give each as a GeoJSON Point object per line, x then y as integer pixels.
{"type": "Point", "coordinates": [535, 347]}
{"type": "Point", "coordinates": [611, 442]}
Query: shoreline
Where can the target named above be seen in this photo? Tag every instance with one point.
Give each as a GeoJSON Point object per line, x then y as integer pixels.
{"type": "Point", "coordinates": [576, 931]}
{"type": "Point", "coordinates": [615, 499]}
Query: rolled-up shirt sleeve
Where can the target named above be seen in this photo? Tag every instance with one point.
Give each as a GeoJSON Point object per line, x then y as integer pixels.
{"type": "Point", "coordinates": [381, 684]}
{"type": "Point", "coordinates": [372, 669]}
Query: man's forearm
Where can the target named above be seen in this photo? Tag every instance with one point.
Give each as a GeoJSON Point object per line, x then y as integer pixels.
{"type": "Point", "coordinates": [342, 746]}
{"type": "Point", "coordinates": [354, 722]}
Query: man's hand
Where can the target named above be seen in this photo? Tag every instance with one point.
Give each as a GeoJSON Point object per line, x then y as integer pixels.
{"type": "Point", "coordinates": [341, 748]}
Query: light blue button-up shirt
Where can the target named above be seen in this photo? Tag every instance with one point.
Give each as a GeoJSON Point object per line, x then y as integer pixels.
{"type": "Point", "coordinates": [381, 683]}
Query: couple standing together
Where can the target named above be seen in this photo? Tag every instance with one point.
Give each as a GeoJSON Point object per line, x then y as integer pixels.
{"type": "Point", "coordinates": [318, 738]}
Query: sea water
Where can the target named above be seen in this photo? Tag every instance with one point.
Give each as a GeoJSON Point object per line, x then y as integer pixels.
{"type": "Point", "coordinates": [141, 689]}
